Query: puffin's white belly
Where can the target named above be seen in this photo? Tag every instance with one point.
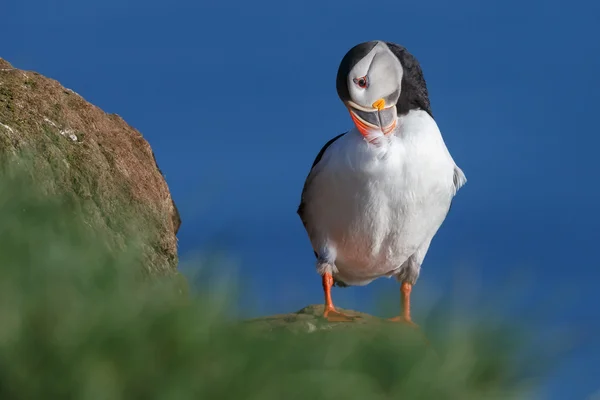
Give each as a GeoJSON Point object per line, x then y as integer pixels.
{"type": "Point", "coordinates": [374, 207]}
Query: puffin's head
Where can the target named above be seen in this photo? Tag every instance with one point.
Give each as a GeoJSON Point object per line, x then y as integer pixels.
{"type": "Point", "coordinates": [377, 81]}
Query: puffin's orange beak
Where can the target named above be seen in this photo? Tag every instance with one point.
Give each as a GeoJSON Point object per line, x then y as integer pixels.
{"type": "Point", "coordinates": [362, 127]}
{"type": "Point", "coordinates": [379, 104]}
{"type": "Point", "coordinates": [375, 122]}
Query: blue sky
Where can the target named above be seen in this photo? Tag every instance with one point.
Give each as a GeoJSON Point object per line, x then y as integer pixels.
{"type": "Point", "coordinates": [236, 99]}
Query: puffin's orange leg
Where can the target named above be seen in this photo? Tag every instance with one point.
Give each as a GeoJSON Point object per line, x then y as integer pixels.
{"type": "Point", "coordinates": [404, 317]}
{"type": "Point", "coordinates": [330, 313]}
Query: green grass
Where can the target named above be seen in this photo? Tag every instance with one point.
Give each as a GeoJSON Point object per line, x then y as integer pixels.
{"type": "Point", "coordinates": [78, 320]}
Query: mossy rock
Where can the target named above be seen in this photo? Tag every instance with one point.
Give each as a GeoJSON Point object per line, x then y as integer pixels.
{"type": "Point", "coordinates": [105, 166]}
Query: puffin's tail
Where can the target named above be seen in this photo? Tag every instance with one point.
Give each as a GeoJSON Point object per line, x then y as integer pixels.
{"type": "Point", "coordinates": [336, 282]}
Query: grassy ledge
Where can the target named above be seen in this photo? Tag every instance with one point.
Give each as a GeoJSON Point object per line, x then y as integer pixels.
{"type": "Point", "coordinates": [80, 320]}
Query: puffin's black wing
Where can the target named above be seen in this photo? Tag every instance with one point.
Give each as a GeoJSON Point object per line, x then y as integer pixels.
{"type": "Point", "coordinates": [307, 181]}
{"type": "Point", "coordinates": [325, 147]}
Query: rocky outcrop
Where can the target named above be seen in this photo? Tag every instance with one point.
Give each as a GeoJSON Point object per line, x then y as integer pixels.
{"type": "Point", "coordinates": [77, 149]}
{"type": "Point", "coordinates": [310, 319]}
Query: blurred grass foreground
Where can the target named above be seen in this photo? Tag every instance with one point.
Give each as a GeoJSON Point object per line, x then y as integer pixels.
{"type": "Point", "coordinates": [80, 320]}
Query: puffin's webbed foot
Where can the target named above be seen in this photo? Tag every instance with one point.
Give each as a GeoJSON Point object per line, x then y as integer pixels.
{"type": "Point", "coordinates": [332, 315]}
{"type": "Point", "coordinates": [404, 320]}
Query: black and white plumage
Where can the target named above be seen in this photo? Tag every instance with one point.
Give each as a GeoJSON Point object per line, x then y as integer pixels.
{"type": "Point", "coordinates": [377, 194]}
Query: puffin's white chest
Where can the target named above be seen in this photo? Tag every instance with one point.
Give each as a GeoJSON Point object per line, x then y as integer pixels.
{"type": "Point", "coordinates": [377, 206]}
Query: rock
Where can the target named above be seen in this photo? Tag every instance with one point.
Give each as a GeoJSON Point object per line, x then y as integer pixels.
{"type": "Point", "coordinates": [308, 326]}
{"type": "Point", "coordinates": [310, 319]}
{"type": "Point", "coordinates": [92, 156]}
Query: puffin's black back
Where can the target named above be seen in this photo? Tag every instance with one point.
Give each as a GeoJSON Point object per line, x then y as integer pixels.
{"type": "Point", "coordinates": [414, 93]}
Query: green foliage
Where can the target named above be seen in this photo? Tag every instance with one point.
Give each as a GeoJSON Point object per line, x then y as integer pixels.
{"type": "Point", "coordinates": [78, 322]}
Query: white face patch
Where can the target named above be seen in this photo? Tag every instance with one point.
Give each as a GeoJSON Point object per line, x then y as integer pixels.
{"type": "Point", "coordinates": [384, 76]}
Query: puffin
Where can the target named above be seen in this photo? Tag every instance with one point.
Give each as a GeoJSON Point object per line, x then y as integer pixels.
{"type": "Point", "coordinates": [377, 194]}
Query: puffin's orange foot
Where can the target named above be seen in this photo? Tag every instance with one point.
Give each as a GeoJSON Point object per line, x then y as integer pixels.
{"type": "Point", "coordinates": [404, 320]}
{"type": "Point", "coordinates": [332, 315]}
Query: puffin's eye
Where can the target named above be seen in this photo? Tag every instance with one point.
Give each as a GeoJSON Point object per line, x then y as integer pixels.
{"type": "Point", "coordinates": [361, 82]}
